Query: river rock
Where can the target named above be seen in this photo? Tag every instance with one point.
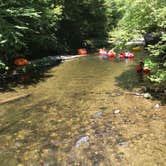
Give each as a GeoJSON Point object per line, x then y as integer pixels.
{"type": "Point", "coordinates": [147, 95]}
{"type": "Point", "coordinates": [98, 114]}
{"type": "Point", "coordinates": [124, 144]}
{"type": "Point", "coordinates": [157, 106]}
{"type": "Point", "coordinates": [81, 141]}
{"type": "Point", "coordinates": [154, 117]}
{"type": "Point", "coordinates": [116, 111]}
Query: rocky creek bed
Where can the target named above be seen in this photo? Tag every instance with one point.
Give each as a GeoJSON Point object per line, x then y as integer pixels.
{"type": "Point", "coordinates": [84, 114]}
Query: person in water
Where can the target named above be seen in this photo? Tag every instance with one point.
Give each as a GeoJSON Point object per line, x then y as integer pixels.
{"type": "Point", "coordinates": [104, 51]}
{"type": "Point", "coordinates": [141, 68]}
{"type": "Point", "coordinates": [141, 63]}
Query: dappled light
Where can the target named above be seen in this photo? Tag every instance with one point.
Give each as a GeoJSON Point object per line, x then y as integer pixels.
{"type": "Point", "coordinates": [82, 83]}
{"type": "Point", "coordinates": [84, 113]}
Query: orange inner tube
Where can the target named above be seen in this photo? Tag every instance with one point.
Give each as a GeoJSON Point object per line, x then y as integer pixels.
{"type": "Point", "coordinates": [21, 62]}
{"type": "Point", "coordinates": [82, 51]}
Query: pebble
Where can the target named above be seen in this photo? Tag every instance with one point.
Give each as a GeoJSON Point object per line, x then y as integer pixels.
{"type": "Point", "coordinates": [116, 111]}
{"type": "Point", "coordinates": [98, 114]}
{"type": "Point", "coordinates": [154, 117]}
{"type": "Point", "coordinates": [157, 106]}
{"type": "Point", "coordinates": [18, 144]}
{"type": "Point", "coordinates": [124, 144]}
{"type": "Point", "coordinates": [81, 141]}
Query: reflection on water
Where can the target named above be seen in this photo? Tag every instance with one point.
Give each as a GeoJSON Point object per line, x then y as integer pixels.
{"type": "Point", "coordinates": [46, 128]}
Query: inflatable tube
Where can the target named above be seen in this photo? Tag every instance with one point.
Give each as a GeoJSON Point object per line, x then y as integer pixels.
{"type": "Point", "coordinates": [82, 51]}
{"type": "Point", "coordinates": [136, 48]}
{"type": "Point", "coordinates": [145, 70]}
{"type": "Point", "coordinates": [122, 55]}
{"type": "Point", "coordinates": [102, 52]}
{"type": "Point", "coordinates": [126, 55]}
{"type": "Point", "coordinates": [129, 55]}
{"type": "Point", "coordinates": [21, 62]}
{"type": "Point", "coordinates": [111, 53]}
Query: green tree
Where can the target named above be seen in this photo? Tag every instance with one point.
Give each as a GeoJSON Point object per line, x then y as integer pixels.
{"type": "Point", "coordinates": [142, 17]}
{"type": "Point", "coordinates": [83, 24]}
{"type": "Point", "coordinates": [25, 23]}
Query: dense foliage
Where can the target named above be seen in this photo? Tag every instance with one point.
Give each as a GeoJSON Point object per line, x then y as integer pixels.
{"type": "Point", "coordinates": [40, 27]}
{"type": "Point", "coordinates": [83, 24]}
{"type": "Point", "coordinates": [27, 25]}
{"type": "Point", "coordinates": [144, 18]}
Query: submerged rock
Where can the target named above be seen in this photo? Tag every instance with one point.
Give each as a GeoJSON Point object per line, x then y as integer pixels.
{"type": "Point", "coordinates": [98, 114]}
{"type": "Point", "coordinates": [154, 117]}
{"type": "Point", "coordinates": [157, 106]}
{"type": "Point", "coordinates": [81, 141]}
{"type": "Point", "coordinates": [116, 111]}
{"type": "Point", "coordinates": [124, 144]}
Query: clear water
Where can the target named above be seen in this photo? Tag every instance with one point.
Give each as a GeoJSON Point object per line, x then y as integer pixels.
{"type": "Point", "coordinates": [76, 101]}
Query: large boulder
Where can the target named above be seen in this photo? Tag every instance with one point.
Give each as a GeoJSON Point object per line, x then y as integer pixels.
{"type": "Point", "coordinates": [152, 38]}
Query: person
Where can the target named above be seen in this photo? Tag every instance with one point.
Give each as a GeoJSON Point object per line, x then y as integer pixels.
{"type": "Point", "coordinates": [104, 51]}
{"type": "Point", "coordinates": [140, 70]}
{"type": "Point", "coordinates": [141, 63]}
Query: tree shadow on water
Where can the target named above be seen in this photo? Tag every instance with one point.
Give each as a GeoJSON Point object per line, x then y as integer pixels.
{"type": "Point", "coordinates": [25, 79]}
{"type": "Point", "coordinates": [130, 79]}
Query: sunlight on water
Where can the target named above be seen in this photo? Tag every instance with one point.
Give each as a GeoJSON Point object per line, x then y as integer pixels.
{"type": "Point", "coordinates": [70, 118]}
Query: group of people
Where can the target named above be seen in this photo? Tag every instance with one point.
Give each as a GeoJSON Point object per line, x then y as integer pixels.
{"type": "Point", "coordinates": [104, 52]}
{"type": "Point", "coordinates": [112, 54]}
{"type": "Point", "coordinates": [141, 67]}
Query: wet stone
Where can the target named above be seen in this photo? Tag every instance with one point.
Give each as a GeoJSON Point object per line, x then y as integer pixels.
{"type": "Point", "coordinates": [157, 106]}
{"type": "Point", "coordinates": [120, 140]}
{"type": "Point", "coordinates": [116, 111]}
{"type": "Point", "coordinates": [154, 117]}
{"type": "Point", "coordinates": [123, 144]}
{"type": "Point", "coordinates": [81, 141]}
{"type": "Point", "coordinates": [98, 114]}
{"type": "Point", "coordinates": [135, 109]}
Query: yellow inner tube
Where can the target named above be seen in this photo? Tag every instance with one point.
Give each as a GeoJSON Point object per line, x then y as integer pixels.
{"type": "Point", "coordinates": [136, 48]}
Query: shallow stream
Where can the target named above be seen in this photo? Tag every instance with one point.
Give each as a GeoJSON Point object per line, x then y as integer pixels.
{"type": "Point", "coordinates": [84, 113]}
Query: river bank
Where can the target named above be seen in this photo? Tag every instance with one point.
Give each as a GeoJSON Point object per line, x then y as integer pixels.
{"type": "Point", "coordinates": [11, 94]}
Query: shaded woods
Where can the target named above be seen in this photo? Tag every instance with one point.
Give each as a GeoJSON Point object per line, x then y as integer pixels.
{"type": "Point", "coordinates": [33, 28]}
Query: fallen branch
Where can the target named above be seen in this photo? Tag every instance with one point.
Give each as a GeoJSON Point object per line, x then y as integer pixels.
{"type": "Point", "coordinates": [136, 94]}
{"type": "Point", "coordinates": [15, 98]}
